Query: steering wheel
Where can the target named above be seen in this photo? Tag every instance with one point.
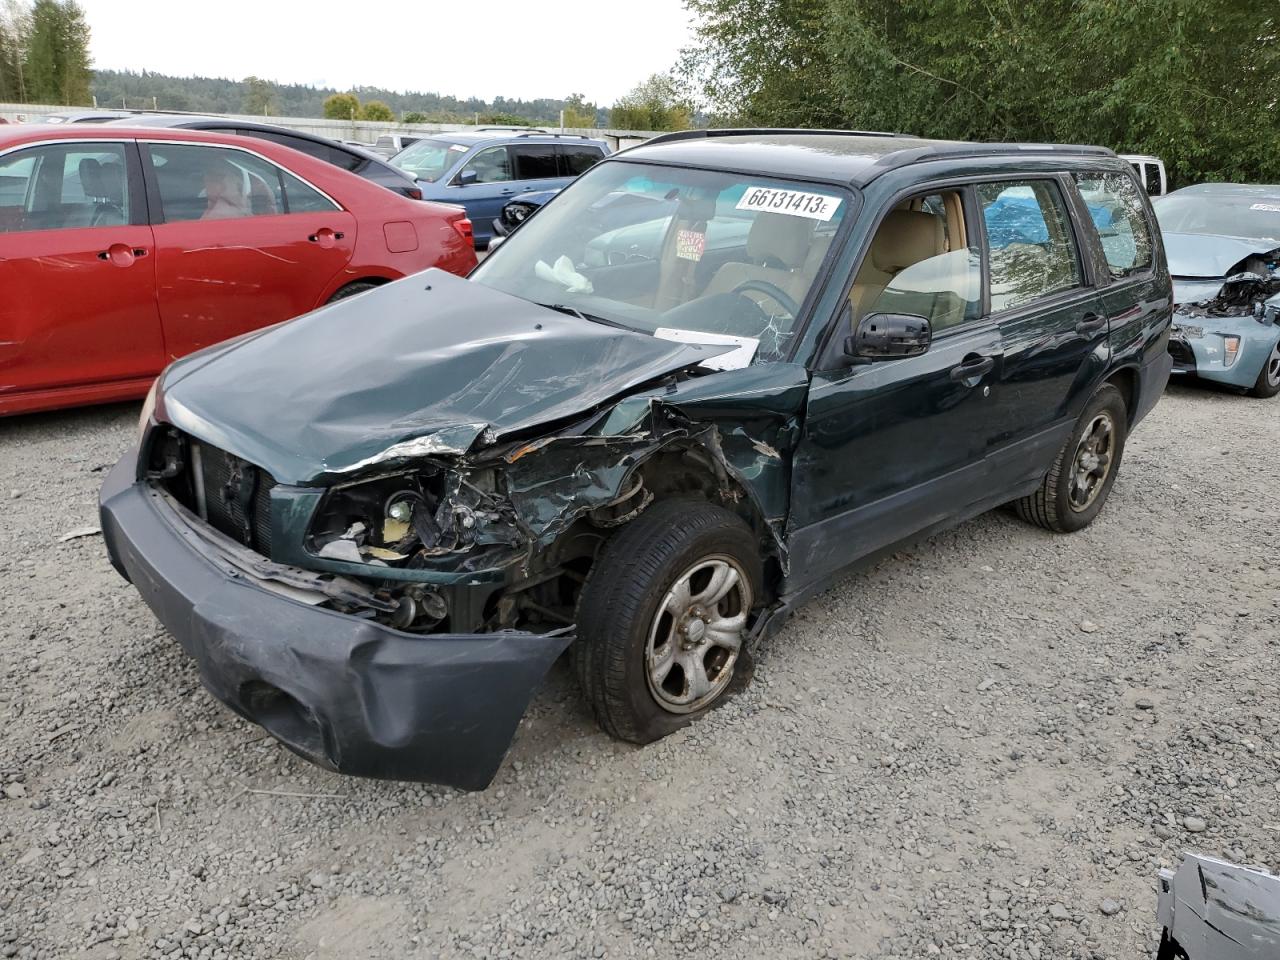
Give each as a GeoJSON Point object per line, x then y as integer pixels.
{"type": "Point", "coordinates": [772, 291]}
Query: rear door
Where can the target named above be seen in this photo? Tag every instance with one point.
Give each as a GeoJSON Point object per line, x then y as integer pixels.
{"type": "Point", "coordinates": [241, 243]}
{"type": "Point", "coordinates": [77, 271]}
{"type": "Point", "coordinates": [1052, 321]}
{"type": "Point", "coordinates": [577, 159]}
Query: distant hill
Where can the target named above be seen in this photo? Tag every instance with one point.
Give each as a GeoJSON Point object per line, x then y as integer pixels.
{"type": "Point", "coordinates": [221, 95]}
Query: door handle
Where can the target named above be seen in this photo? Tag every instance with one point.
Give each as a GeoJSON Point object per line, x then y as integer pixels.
{"type": "Point", "coordinates": [325, 233]}
{"type": "Point", "coordinates": [973, 369]}
{"type": "Point", "coordinates": [140, 251]}
{"type": "Point", "coordinates": [1090, 323]}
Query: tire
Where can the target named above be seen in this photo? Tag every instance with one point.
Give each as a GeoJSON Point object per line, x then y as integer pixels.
{"type": "Point", "coordinates": [1268, 382]}
{"type": "Point", "coordinates": [1064, 503]}
{"type": "Point", "coordinates": [623, 617]}
{"type": "Point", "coordinates": [351, 289]}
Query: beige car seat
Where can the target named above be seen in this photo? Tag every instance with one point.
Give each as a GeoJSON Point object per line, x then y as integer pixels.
{"type": "Point", "coordinates": [778, 248]}
{"type": "Point", "coordinates": [905, 238]}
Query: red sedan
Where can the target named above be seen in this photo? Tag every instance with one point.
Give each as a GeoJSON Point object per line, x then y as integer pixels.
{"type": "Point", "coordinates": [122, 249]}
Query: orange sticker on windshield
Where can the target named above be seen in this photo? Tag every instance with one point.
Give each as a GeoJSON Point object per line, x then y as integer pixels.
{"type": "Point", "coordinates": [690, 244]}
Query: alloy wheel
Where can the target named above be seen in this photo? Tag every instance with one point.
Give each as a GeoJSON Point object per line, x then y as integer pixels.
{"type": "Point", "coordinates": [697, 634]}
{"type": "Point", "coordinates": [1091, 464]}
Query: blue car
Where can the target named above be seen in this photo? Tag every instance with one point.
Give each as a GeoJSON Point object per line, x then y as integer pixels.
{"type": "Point", "coordinates": [483, 169]}
{"type": "Point", "coordinates": [1223, 245]}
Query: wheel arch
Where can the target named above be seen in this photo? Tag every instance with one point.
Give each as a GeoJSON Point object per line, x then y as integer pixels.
{"type": "Point", "coordinates": [1128, 381]}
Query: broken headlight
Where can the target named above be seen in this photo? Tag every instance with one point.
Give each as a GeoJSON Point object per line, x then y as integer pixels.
{"type": "Point", "coordinates": [409, 518]}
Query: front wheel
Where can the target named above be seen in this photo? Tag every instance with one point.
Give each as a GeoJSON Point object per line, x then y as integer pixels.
{"type": "Point", "coordinates": [663, 617]}
{"type": "Point", "coordinates": [1268, 382]}
{"type": "Point", "coordinates": [1080, 480]}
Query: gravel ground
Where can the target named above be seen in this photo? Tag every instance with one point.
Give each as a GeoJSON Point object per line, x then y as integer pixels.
{"type": "Point", "coordinates": [984, 747]}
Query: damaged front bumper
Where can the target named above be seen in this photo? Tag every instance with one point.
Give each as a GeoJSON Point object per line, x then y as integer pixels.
{"type": "Point", "coordinates": [344, 692]}
{"type": "Point", "coordinates": [1199, 347]}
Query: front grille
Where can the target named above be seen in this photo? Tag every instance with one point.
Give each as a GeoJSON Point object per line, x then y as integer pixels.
{"type": "Point", "coordinates": [231, 494]}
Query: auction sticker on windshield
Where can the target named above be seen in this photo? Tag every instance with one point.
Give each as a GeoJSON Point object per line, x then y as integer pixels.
{"type": "Point", "coordinates": [795, 203]}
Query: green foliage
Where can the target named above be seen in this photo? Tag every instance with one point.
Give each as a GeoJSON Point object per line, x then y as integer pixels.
{"type": "Point", "coordinates": [217, 95]}
{"type": "Point", "coordinates": [413, 116]}
{"type": "Point", "coordinates": [44, 53]}
{"type": "Point", "coordinates": [579, 113]}
{"type": "Point", "coordinates": [341, 106]}
{"type": "Point", "coordinates": [1192, 81]}
{"type": "Point", "coordinates": [657, 104]}
{"type": "Point", "coordinates": [259, 96]}
{"type": "Point", "coordinates": [378, 111]}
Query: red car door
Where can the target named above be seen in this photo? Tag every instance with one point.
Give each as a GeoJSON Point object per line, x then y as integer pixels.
{"type": "Point", "coordinates": [240, 242]}
{"type": "Point", "coordinates": [77, 274]}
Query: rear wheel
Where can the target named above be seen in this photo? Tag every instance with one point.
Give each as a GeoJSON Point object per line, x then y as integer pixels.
{"type": "Point", "coordinates": [351, 289]}
{"type": "Point", "coordinates": [1080, 480]}
{"type": "Point", "coordinates": [1268, 382]}
{"type": "Point", "coordinates": [663, 616]}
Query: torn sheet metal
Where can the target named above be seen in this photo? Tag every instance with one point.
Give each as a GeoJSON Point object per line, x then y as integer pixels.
{"type": "Point", "coordinates": [1214, 910]}
{"type": "Point", "coordinates": [435, 356]}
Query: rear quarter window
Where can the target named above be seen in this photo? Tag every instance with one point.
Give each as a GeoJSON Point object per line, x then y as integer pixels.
{"type": "Point", "coordinates": [1115, 206]}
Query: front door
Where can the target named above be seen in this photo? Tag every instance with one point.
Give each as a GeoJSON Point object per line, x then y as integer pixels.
{"type": "Point", "coordinates": [895, 447]}
{"type": "Point", "coordinates": [240, 242]}
{"type": "Point", "coordinates": [490, 185]}
{"type": "Point", "coordinates": [77, 271]}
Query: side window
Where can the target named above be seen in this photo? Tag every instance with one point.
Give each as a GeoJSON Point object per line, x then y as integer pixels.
{"type": "Point", "coordinates": [301, 198]}
{"type": "Point", "coordinates": [1151, 172]}
{"type": "Point", "coordinates": [921, 261]}
{"type": "Point", "coordinates": [215, 183]}
{"type": "Point", "coordinates": [1030, 242]}
{"type": "Point", "coordinates": [64, 186]}
{"type": "Point", "coordinates": [1115, 206]}
{"type": "Point", "coordinates": [535, 161]}
{"type": "Point", "coordinates": [575, 161]}
{"type": "Point", "coordinates": [491, 165]}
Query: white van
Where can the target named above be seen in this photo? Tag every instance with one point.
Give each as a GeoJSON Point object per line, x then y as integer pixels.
{"type": "Point", "coordinates": [1150, 171]}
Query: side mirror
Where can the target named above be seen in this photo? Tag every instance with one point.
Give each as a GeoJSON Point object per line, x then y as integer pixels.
{"type": "Point", "coordinates": [466, 178]}
{"type": "Point", "coordinates": [887, 336]}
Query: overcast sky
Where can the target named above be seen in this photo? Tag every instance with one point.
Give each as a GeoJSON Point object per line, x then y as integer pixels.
{"type": "Point", "coordinates": [484, 48]}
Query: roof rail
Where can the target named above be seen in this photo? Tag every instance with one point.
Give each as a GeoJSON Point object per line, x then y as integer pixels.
{"type": "Point", "coordinates": [527, 129]}
{"type": "Point", "coordinates": [763, 131]}
{"type": "Point", "coordinates": [543, 133]}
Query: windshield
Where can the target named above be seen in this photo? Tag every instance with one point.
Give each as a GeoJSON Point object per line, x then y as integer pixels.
{"type": "Point", "coordinates": [428, 159]}
{"type": "Point", "coordinates": [682, 254]}
{"type": "Point", "coordinates": [1252, 217]}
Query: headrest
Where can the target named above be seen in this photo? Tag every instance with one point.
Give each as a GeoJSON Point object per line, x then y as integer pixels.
{"type": "Point", "coordinates": [906, 237]}
{"type": "Point", "coordinates": [111, 182]}
{"type": "Point", "coordinates": [90, 181]}
{"type": "Point", "coordinates": [780, 237]}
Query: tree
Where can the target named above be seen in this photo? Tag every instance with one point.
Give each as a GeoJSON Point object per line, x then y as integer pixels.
{"type": "Point", "coordinates": [577, 112]}
{"type": "Point", "coordinates": [378, 111]}
{"type": "Point", "coordinates": [1192, 81]}
{"type": "Point", "coordinates": [656, 104]}
{"type": "Point", "coordinates": [10, 62]}
{"type": "Point", "coordinates": [341, 106]}
{"type": "Point", "coordinates": [75, 74]}
{"type": "Point", "coordinates": [259, 96]}
{"type": "Point", "coordinates": [413, 116]}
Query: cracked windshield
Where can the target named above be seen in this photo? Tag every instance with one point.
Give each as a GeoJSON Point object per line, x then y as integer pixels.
{"type": "Point", "coordinates": [690, 255]}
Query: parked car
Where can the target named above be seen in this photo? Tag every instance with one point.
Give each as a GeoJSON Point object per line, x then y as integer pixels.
{"type": "Point", "coordinates": [521, 207]}
{"type": "Point", "coordinates": [81, 116]}
{"type": "Point", "coordinates": [388, 145]}
{"type": "Point", "coordinates": [484, 169]}
{"type": "Point", "coordinates": [1209, 909]}
{"type": "Point", "coordinates": [1223, 243]}
{"type": "Point", "coordinates": [649, 455]}
{"type": "Point", "coordinates": [123, 248]}
{"type": "Point", "coordinates": [1150, 171]}
{"type": "Point", "coordinates": [353, 159]}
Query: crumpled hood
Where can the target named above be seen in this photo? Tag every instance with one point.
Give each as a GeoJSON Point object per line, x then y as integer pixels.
{"type": "Point", "coordinates": [1203, 255]}
{"type": "Point", "coordinates": [422, 366]}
